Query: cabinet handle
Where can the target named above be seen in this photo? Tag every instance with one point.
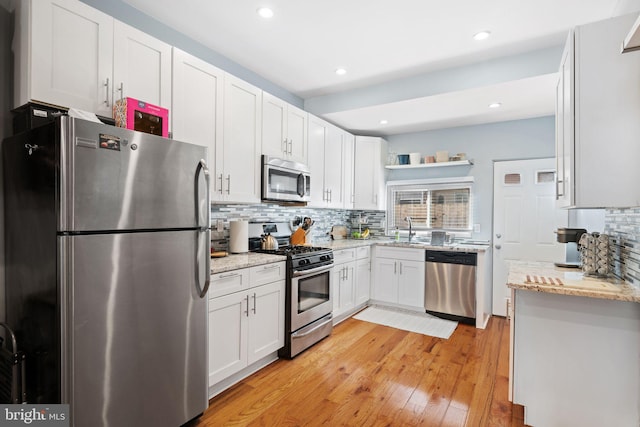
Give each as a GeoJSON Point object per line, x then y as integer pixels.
{"type": "Point", "coordinates": [291, 147]}
{"type": "Point", "coordinates": [498, 235]}
{"type": "Point", "coordinates": [284, 150]}
{"type": "Point", "coordinates": [220, 183]}
{"type": "Point", "coordinates": [330, 195]}
{"type": "Point", "coordinates": [247, 310]}
{"type": "Point", "coordinates": [400, 268]}
{"type": "Point", "coordinates": [395, 267]}
{"type": "Point", "coordinates": [225, 276]}
{"type": "Point", "coordinates": [121, 90]}
{"type": "Point", "coordinates": [106, 99]}
{"type": "Point", "coordinates": [270, 267]}
{"type": "Point", "coordinates": [498, 246]}
{"type": "Point", "coordinates": [228, 184]}
{"type": "Point", "coordinates": [254, 303]}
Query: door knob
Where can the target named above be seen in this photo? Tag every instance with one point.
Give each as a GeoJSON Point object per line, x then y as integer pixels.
{"type": "Point", "coordinates": [498, 246]}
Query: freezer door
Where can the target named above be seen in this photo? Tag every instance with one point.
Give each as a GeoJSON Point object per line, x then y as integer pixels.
{"type": "Point", "coordinates": [117, 179]}
{"type": "Point", "coordinates": [135, 347]}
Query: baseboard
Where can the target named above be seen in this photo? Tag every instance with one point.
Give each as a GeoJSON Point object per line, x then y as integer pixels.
{"type": "Point", "coordinates": [223, 385]}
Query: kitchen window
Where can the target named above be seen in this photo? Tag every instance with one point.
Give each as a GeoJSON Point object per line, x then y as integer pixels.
{"type": "Point", "coordinates": [440, 205]}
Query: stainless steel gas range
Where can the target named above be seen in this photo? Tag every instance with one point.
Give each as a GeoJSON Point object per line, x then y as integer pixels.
{"type": "Point", "coordinates": [309, 301]}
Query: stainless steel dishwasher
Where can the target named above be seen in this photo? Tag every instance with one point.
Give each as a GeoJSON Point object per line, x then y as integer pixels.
{"type": "Point", "coordinates": [450, 285]}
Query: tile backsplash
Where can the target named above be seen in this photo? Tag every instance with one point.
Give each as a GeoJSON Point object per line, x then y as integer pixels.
{"type": "Point", "coordinates": [623, 227]}
{"type": "Point", "coordinates": [323, 219]}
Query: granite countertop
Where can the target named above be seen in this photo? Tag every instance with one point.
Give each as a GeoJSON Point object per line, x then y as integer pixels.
{"type": "Point", "coordinates": [237, 261]}
{"type": "Point", "coordinates": [543, 277]}
{"type": "Point", "coordinates": [354, 243]}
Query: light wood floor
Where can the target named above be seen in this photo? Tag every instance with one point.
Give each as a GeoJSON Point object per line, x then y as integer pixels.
{"type": "Point", "coordinates": [371, 375]}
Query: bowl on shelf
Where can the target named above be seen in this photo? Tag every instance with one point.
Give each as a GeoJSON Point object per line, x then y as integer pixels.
{"type": "Point", "coordinates": [403, 159]}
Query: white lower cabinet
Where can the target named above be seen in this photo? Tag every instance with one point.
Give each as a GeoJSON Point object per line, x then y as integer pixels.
{"type": "Point", "coordinates": [363, 275]}
{"type": "Point", "coordinates": [351, 281]}
{"type": "Point", "coordinates": [245, 325]}
{"type": "Point", "coordinates": [399, 276]}
{"type": "Point", "coordinates": [344, 283]}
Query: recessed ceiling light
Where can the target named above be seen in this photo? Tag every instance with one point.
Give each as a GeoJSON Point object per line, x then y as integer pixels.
{"type": "Point", "coordinates": [265, 12]}
{"type": "Point", "coordinates": [495, 105]}
{"type": "Point", "coordinates": [482, 35]}
{"type": "Point", "coordinates": [341, 71]}
{"type": "Point", "coordinates": [383, 122]}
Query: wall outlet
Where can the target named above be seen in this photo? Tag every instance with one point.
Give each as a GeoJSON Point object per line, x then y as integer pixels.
{"type": "Point", "coordinates": [476, 228]}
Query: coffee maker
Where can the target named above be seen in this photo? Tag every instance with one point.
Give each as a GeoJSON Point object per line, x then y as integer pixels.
{"type": "Point", "coordinates": [570, 236]}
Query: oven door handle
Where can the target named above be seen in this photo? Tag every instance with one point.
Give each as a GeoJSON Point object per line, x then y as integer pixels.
{"type": "Point", "coordinates": [312, 271]}
{"type": "Point", "coordinates": [304, 334]}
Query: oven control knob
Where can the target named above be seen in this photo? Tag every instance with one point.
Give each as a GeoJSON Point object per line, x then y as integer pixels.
{"type": "Point", "coordinates": [303, 262]}
{"type": "Point", "coordinates": [324, 257]}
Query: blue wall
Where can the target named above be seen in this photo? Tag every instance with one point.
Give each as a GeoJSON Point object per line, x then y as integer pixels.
{"type": "Point", "coordinates": [131, 16]}
{"type": "Point", "coordinates": [514, 140]}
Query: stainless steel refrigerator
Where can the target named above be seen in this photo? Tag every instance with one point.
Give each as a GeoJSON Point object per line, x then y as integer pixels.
{"type": "Point", "coordinates": [107, 267]}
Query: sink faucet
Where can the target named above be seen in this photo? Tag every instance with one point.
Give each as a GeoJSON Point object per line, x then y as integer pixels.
{"type": "Point", "coordinates": [408, 219]}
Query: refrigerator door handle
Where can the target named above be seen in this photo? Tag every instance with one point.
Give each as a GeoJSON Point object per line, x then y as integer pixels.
{"type": "Point", "coordinates": [202, 229]}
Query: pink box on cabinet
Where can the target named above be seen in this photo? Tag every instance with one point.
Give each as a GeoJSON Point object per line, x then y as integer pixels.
{"type": "Point", "coordinates": [137, 115]}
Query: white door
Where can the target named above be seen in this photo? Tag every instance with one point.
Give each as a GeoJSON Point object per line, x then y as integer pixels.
{"type": "Point", "coordinates": [317, 138]}
{"type": "Point", "coordinates": [227, 336]}
{"type": "Point", "coordinates": [363, 280]}
{"type": "Point", "coordinates": [274, 132]}
{"type": "Point", "coordinates": [333, 167]}
{"type": "Point", "coordinates": [297, 134]}
{"type": "Point", "coordinates": [525, 217]}
{"type": "Point", "coordinates": [385, 280]}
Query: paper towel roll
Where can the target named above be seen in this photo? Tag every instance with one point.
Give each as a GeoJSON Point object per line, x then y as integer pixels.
{"type": "Point", "coordinates": [238, 236]}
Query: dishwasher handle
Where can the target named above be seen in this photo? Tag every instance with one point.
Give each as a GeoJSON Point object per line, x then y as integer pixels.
{"type": "Point", "coordinates": [452, 257]}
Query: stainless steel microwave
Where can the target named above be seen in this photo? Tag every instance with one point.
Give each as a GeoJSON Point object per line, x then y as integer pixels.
{"type": "Point", "coordinates": [284, 180]}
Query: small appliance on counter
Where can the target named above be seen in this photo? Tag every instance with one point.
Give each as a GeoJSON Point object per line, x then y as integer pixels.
{"type": "Point", "coordinates": [570, 236]}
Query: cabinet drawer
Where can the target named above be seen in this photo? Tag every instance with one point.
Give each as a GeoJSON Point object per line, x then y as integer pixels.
{"type": "Point", "coordinates": [344, 255]}
{"type": "Point", "coordinates": [363, 252]}
{"type": "Point", "coordinates": [267, 273]}
{"type": "Point", "coordinates": [400, 253]}
{"type": "Point", "coordinates": [228, 282]}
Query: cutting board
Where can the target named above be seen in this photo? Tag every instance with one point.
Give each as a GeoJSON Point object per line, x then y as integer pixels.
{"type": "Point", "coordinates": [339, 232]}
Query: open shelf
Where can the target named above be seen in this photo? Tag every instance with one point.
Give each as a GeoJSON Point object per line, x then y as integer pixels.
{"type": "Point", "coordinates": [431, 165]}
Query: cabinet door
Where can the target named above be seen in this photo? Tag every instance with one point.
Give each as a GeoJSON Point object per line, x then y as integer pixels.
{"type": "Point", "coordinates": [317, 138]}
{"type": "Point", "coordinates": [348, 146]}
{"type": "Point", "coordinates": [266, 320]}
{"type": "Point", "coordinates": [565, 128]}
{"type": "Point", "coordinates": [385, 285]}
{"type": "Point", "coordinates": [274, 132]}
{"type": "Point", "coordinates": [337, 273]}
{"type": "Point", "coordinates": [363, 281]}
{"type": "Point", "coordinates": [333, 167]}
{"type": "Point", "coordinates": [197, 104]}
{"type": "Point", "coordinates": [348, 288]}
{"type": "Point", "coordinates": [365, 168]}
{"type": "Point", "coordinates": [411, 283]}
{"type": "Point", "coordinates": [240, 152]}
{"type": "Point", "coordinates": [141, 66]}
{"type": "Point", "coordinates": [71, 55]}
{"type": "Point", "coordinates": [227, 336]}
{"type": "Point", "coordinates": [297, 133]}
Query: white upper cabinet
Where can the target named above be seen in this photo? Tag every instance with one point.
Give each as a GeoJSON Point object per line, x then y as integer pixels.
{"type": "Point", "coordinates": [72, 55]}
{"type": "Point", "coordinates": [348, 150]}
{"type": "Point", "coordinates": [334, 168]}
{"type": "Point", "coordinates": [597, 117]}
{"type": "Point", "coordinates": [318, 131]}
{"type": "Point", "coordinates": [237, 161]}
{"type": "Point", "coordinates": [141, 66]}
{"type": "Point", "coordinates": [63, 55]}
{"type": "Point", "coordinates": [370, 174]}
{"type": "Point", "coordinates": [284, 130]}
{"type": "Point", "coordinates": [197, 101]}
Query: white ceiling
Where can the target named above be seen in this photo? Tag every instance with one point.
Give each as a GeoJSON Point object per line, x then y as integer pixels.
{"type": "Point", "coordinates": [380, 41]}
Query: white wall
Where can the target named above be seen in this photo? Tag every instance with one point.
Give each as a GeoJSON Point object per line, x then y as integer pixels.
{"type": "Point", "coordinates": [514, 140]}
